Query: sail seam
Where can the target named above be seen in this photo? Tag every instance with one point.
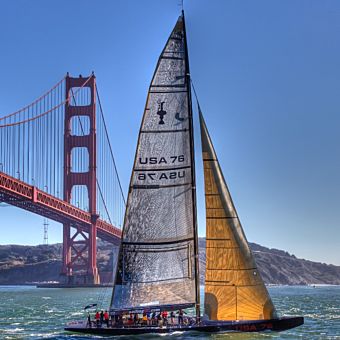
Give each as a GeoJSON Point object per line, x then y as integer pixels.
{"type": "Point", "coordinates": [222, 283]}
{"type": "Point", "coordinates": [158, 243]}
{"type": "Point", "coordinates": [175, 91]}
{"type": "Point", "coordinates": [176, 38]}
{"type": "Point", "coordinates": [161, 280]}
{"type": "Point", "coordinates": [156, 250]}
{"type": "Point", "coordinates": [221, 218]}
{"type": "Point", "coordinates": [163, 169]}
{"type": "Point", "coordinates": [173, 51]}
{"type": "Point", "coordinates": [208, 208]}
{"type": "Point", "coordinates": [231, 269]}
{"type": "Point", "coordinates": [163, 131]}
{"type": "Point", "coordinates": [169, 85]}
{"type": "Point", "coordinates": [172, 58]}
{"type": "Point", "coordinates": [151, 186]}
{"type": "Point", "coordinates": [222, 247]}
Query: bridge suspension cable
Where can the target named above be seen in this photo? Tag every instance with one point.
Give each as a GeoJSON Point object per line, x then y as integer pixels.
{"type": "Point", "coordinates": [112, 203]}
{"type": "Point", "coordinates": [31, 150]}
{"type": "Point", "coordinates": [34, 102]}
{"type": "Point", "coordinates": [31, 142]}
{"type": "Point", "coordinates": [40, 114]}
{"type": "Point", "coordinates": [110, 147]}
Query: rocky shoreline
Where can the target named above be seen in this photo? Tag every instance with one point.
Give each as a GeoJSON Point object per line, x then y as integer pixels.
{"type": "Point", "coordinates": [32, 264]}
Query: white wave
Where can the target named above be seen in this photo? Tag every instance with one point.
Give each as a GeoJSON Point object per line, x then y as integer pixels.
{"type": "Point", "coordinates": [14, 330]}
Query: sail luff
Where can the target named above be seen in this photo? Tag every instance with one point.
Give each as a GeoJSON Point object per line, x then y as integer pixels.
{"type": "Point", "coordinates": [234, 289]}
{"type": "Point", "coordinates": [193, 172]}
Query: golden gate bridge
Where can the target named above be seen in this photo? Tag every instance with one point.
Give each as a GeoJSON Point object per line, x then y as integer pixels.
{"type": "Point", "coordinates": [56, 161]}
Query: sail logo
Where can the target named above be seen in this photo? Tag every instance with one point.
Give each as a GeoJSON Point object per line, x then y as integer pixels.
{"type": "Point", "coordinates": [161, 113]}
{"type": "Point", "coordinates": [170, 174]}
{"type": "Point", "coordinates": [161, 160]}
{"type": "Point", "coordinates": [153, 176]}
{"type": "Point", "coordinates": [180, 119]}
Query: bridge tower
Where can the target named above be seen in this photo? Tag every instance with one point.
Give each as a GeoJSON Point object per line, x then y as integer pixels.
{"type": "Point", "coordinates": [79, 246]}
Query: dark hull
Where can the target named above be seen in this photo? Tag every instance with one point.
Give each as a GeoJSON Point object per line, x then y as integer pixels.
{"type": "Point", "coordinates": [280, 324]}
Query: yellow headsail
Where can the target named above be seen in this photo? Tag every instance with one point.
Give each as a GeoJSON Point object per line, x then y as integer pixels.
{"type": "Point", "coordinates": [234, 289]}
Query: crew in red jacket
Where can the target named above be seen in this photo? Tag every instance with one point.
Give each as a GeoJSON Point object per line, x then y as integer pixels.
{"type": "Point", "coordinates": [106, 318]}
{"type": "Point", "coordinates": [97, 318]}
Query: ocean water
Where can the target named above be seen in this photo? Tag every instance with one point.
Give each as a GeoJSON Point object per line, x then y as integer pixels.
{"type": "Point", "coordinates": [34, 313]}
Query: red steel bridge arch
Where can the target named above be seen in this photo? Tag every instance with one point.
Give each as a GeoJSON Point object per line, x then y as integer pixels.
{"type": "Point", "coordinates": [80, 228]}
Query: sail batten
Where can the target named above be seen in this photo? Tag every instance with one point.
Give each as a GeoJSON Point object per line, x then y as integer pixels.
{"type": "Point", "coordinates": [157, 261]}
{"type": "Point", "coordinates": [234, 289]}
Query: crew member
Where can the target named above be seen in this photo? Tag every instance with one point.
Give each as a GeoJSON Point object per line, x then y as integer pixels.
{"type": "Point", "coordinates": [97, 318]}
{"type": "Point", "coordinates": [180, 316]}
{"type": "Point", "coordinates": [88, 320]}
{"type": "Point", "coordinates": [172, 317]}
{"type": "Point", "coordinates": [106, 318]}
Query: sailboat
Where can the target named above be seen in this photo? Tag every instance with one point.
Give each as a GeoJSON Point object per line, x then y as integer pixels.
{"type": "Point", "coordinates": [158, 267]}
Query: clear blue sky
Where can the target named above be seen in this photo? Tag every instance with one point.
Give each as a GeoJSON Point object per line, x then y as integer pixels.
{"type": "Point", "coordinates": [268, 78]}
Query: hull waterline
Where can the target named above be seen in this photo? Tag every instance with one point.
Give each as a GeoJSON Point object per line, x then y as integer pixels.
{"type": "Point", "coordinates": [277, 325]}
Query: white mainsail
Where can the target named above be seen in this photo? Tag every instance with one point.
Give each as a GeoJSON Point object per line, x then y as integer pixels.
{"type": "Point", "coordinates": [157, 256]}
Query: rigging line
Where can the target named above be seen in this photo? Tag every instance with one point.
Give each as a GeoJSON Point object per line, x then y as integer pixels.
{"type": "Point", "coordinates": [82, 130]}
{"type": "Point", "coordinates": [181, 4]}
{"type": "Point", "coordinates": [23, 150]}
{"type": "Point", "coordinates": [54, 144]}
{"type": "Point", "coordinates": [107, 136]}
{"type": "Point", "coordinates": [193, 87]}
{"type": "Point", "coordinates": [45, 113]}
{"type": "Point", "coordinates": [40, 98]}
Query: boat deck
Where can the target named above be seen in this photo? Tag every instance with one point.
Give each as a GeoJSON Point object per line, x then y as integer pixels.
{"type": "Point", "coordinates": [277, 325]}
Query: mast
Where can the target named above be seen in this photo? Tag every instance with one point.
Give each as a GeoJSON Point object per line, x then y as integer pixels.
{"type": "Point", "coordinates": [193, 173]}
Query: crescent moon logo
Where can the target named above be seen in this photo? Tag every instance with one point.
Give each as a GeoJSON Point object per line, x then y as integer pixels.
{"type": "Point", "coordinates": [178, 117]}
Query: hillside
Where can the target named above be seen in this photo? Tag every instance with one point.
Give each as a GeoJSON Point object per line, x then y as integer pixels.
{"type": "Point", "coordinates": [26, 264]}
{"type": "Point", "coordinates": [279, 267]}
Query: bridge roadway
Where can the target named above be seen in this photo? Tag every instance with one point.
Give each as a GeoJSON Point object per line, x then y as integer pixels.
{"type": "Point", "coordinates": [22, 195]}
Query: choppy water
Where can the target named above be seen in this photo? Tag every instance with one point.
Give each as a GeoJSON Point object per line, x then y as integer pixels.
{"type": "Point", "coordinates": [35, 313]}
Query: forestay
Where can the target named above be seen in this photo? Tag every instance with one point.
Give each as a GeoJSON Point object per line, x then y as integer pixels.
{"type": "Point", "coordinates": [234, 289]}
{"type": "Point", "coordinates": [156, 262]}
